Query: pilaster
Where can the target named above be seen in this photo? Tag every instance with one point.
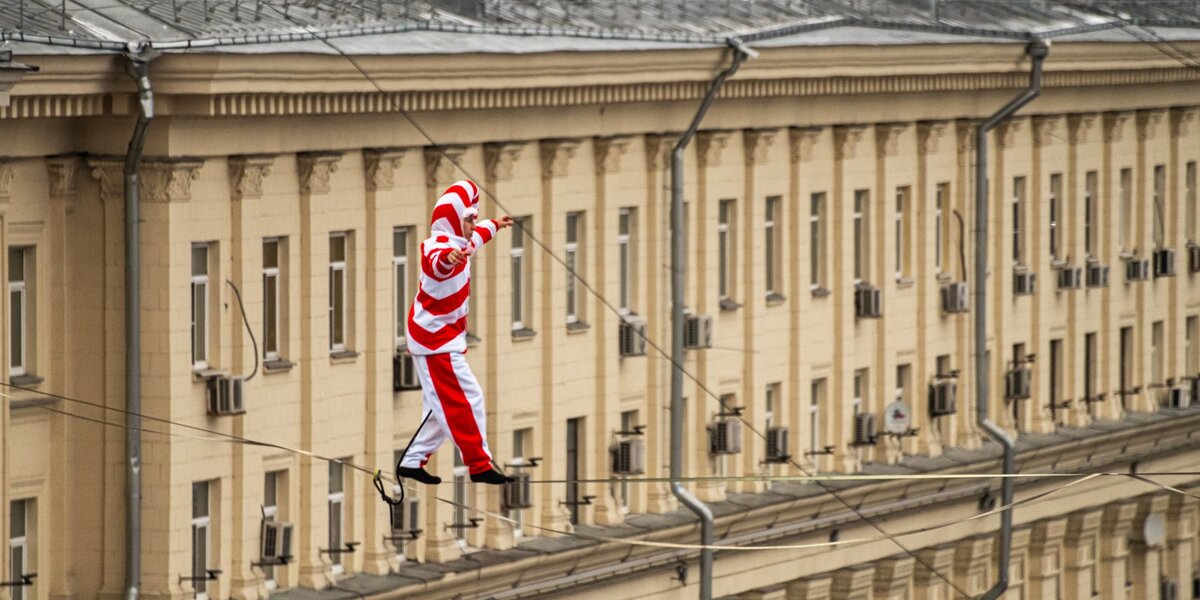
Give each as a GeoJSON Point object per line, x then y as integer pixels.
{"type": "Point", "coordinates": [1147, 537]}
{"type": "Point", "coordinates": [893, 578]}
{"type": "Point", "coordinates": [853, 583]}
{"type": "Point", "coordinates": [1115, 523]}
{"type": "Point", "coordinates": [1081, 550]}
{"type": "Point", "coordinates": [1045, 559]}
{"type": "Point", "coordinates": [972, 557]}
{"type": "Point", "coordinates": [1182, 515]}
{"type": "Point", "coordinates": [811, 588]}
{"type": "Point", "coordinates": [927, 585]}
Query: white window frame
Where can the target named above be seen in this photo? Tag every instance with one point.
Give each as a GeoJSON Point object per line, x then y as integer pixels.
{"type": "Point", "coordinates": [200, 288]}
{"type": "Point", "coordinates": [271, 274]}
{"type": "Point", "coordinates": [860, 393]}
{"type": "Point", "coordinates": [1158, 211]}
{"type": "Point", "coordinates": [625, 259]}
{"type": "Point", "coordinates": [902, 242]}
{"type": "Point", "coordinates": [769, 404]}
{"type": "Point", "coordinates": [1090, 228]}
{"type": "Point", "coordinates": [18, 542]}
{"type": "Point", "coordinates": [337, 498]}
{"type": "Point", "coordinates": [1055, 208]}
{"type": "Point", "coordinates": [1190, 208]}
{"type": "Point", "coordinates": [773, 239]}
{"type": "Point", "coordinates": [816, 247]}
{"type": "Point", "coordinates": [202, 522]}
{"type": "Point", "coordinates": [338, 271]}
{"type": "Point", "coordinates": [400, 283]}
{"type": "Point", "coordinates": [817, 389]}
{"type": "Point", "coordinates": [726, 219]}
{"type": "Point", "coordinates": [1124, 223]}
{"type": "Point", "coordinates": [861, 233]}
{"type": "Point", "coordinates": [1018, 218]}
{"type": "Point", "coordinates": [939, 234]}
{"type": "Point", "coordinates": [18, 296]}
{"type": "Point", "coordinates": [574, 305]}
{"type": "Point", "coordinates": [520, 275]}
{"type": "Point", "coordinates": [518, 460]}
{"type": "Point", "coordinates": [270, 513]}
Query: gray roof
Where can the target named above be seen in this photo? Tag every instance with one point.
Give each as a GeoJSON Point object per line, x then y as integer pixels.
{"type": "Point", "coordinates": [522, 26]}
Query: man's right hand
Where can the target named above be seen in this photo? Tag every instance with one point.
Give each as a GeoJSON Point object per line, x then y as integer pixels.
{"type": "Point", "coordinates": [455, 257]}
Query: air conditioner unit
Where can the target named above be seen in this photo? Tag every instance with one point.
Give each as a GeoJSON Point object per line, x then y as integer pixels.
{"type": "Point", "coordinates": [628, 457]}
{"type": "Point", "coordinates": [725, 437]}
{"type": "Point", "coordinates": [1137, 270]}
{"type": "Point", "coordinates": [777, 444]}
{"type": "Point", "coordinates": [864, 429]}
{"type": "Point", "coordinates": [1164, 262]}
{"type": "Point", "coordinates": [1168, 590]}
{"type": "Point", "coordinates": [1194, 258]}
{"type": "Point", "coordinates": [943, 397]}
{"type": "Point", "coordinates": [954, 297]}
{"type": "Point", "coordinates": [227, 395]}
{"type": "Point", "coordinates": [275, 542]}
{"type": "Point", "coordinates": [868, 303]}
{"type": "Point", "coordinates": [1179, 396]}
{"type": "Point", "coordinates": [1024, 283]}
{"type": "Point", "coordinates": [1097, 276]}
{"type": "Point", "coordinates": [1018, 383]}
{"type": "Point", "coordinates": [518, 493]}
{"type": "Point", "coordinates": [632, 336]}
{"type": "Point", "coordinates": [404, 373]}
{"type": "Point", "coordinates": [1070, 278]}
{"type": "Point", "coordinates": [697, 332]}
{"type": "Point", "coordinates": [406, 518]}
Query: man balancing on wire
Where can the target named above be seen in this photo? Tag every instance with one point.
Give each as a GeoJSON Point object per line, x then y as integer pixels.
{"type": "Point", "coordinates": [437, 331]}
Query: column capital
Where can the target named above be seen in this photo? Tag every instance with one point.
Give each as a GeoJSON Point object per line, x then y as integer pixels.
{"type": "Point", "coordinates": [607, 152]}
{"type": "Point", "coordinates": [316, 169]}
{"type": "Point", "coordinates": [499, 157]}
{"type": "Point", "coordinates": [1114, 125]}
{"type": "Point", "coordinates": [892, 576]}
{"type": "Point", "coordinates": [1082, 524]}
{"type": "Point", "coordinates": [853, 583]}
{"type": "Point", "coordinates": [556, 155]}
{"type": "Point", "coordinates": [110, 173]}
{"type": "Point", "coordinates": [246, 174]}
{"type": "Point", "coordinates": [162, 180]}
{"type": "Point", "coordinates": [940, 558]}
{"type": "Point", "coordinates": [709, 145]}
{"type": "Point", "coordinates": [802, 141]}
{"type": "Point", "coordinates": [887, 138]}
{"type": "Point", "coordinates": [441, 164]}
{"type": "Point", "coordinates": [845, 140]}
{"type": "Point", "coordinates": [658, 150]}
{"type": "Point", "coordinates": [1148, 122]}
{"type": "Point", "coordinates": [1045, 128]}
{"type": "Point", "coordinates": [1080, 127]}
{"type": "Point", "coordinates": [1047, 533]}
{"type": "Point", "coordinates": [61, 171]}
{"type": "Point", "coordinates": [379, 167]}
{"type": "Point", "coordinates": [757, 145]}
{"type": "Point", "coordinates": [964, 135]}
{"type": "Point", "coordinates": [930, 134]}
{"type": "Point", "coordinates": [1115, 523]}
{"type": "Point", "coordinates": [1182, 118]}
{"type": "Point", "coordinates": [1006, 131]}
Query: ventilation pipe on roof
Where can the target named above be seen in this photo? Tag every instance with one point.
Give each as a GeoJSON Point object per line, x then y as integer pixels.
{"type": "Point", "coordinates": [138, 69]}
{"type": "Point", "coordinates": [740, 53]}
{"type": "Point", "coordinates": [1037, 51]}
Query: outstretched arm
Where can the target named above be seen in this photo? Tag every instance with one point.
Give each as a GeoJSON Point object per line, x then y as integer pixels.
{"type": "Point", "coordinates": [485, 231]}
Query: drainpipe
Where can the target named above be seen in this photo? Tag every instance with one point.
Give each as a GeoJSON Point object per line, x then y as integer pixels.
{"type": "Point", "coordinates": [1037, 51]}
{"type": "Point", "coordinates": [740, 53]}
{"type": "Point", "coordinates": [138, 69]}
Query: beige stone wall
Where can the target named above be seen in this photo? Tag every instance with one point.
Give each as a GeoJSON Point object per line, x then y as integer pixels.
{"type": "Point", "coordinates": [231, 165]}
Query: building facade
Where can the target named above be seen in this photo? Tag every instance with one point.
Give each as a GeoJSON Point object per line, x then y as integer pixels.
{"type": "Point", "coordinates": [821, 172]}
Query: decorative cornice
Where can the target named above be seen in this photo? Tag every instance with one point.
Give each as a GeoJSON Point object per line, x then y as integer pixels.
{"type": "Point", "coordinates": [757, 145]}
{"type": "Point", "coordinates": [930, 134]}
{"type": "Point", "coordinates": [110, 173]}
{"type": "Point", "coordinates": [169, 180]}
{"type": "Point", "coordinates": [1044, 128]}
{"type": "Point", "coordinates": [964, 135]}
{"type": "Point", "coordinates": [1182, 118]}
{"type": "Point", "coordinates": [6, 177]}
{"type": "Point", "coordinates": [802, 140]}
{"type": "Point", "coordinates": [709, 145]}
{"type": "Point", "coordinates": [441, 164]}
{"type": "Point", "coordinates": [1006, 132]}
{"type": "Point", "coordinates": [316, 169]}
{"type": "Point", "coordinates": [887, 138]}
{"type": "Point", "coordinates": [1114, 125]}
{"type": "Point", "coordinates": [1080, 127]}
{"type": "Point", "coordinates": [658, 149]}
{"type": "Point", "coordinates": [498, 159]}
{"type": "Point", "coordinates": [845, 140]}
{"type": "Point", "coordinates": [557, 156]}
{"type": "Point", "coordinates": [607, 152]}
{"type": "Point", "coordinates": [246, 175]}
{"type": "Point", "coordinates": [61, 171]}
{"type": "Point", "coordinates": [56, 107]}
{"type": "Point", "coordinates": [379, 167]}
{"type": "Point", "coordinates": [1147, 123]}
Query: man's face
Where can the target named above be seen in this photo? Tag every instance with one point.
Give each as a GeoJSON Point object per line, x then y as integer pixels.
{"type": "Point", "coordinates": [468, 225]}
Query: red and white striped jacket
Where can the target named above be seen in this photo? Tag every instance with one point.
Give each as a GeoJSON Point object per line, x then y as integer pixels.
{"type": "Point", "coordinates": [437, 321]}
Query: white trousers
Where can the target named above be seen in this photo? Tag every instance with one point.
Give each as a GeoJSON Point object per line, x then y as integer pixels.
{"type": "Point", "coordinates": [452, 407]}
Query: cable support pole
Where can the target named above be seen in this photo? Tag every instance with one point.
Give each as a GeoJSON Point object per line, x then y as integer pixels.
{"type": "Point", "coordinates": [1037, 51]}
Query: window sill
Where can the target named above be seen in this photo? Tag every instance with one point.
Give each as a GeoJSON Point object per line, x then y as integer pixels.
{"type": "Point", "coordinates": [904, 283]}
{"type": "Point", "coordinates": [524, 333]}
{"type": "Point", "coordinates": [473, 341]}
{"type": "Point", "coordinates": [820, 292]}
{"type": "Point", "coordinates": [944, 277]}
{"type": "Point", "coordinates": [27, 380]}
{"type": "Point", "coordinates": [728, 304]}
{"type": "Point", "coordinates": [577, 327]}
{"type": "Point", "coordinates": [343, 356]}
{"type": "Point", "coordinates": [277, 365]}
{"type": "Point", "coordinates": [1058, 263]}
{"type": "Point", "coordinates": [201, 375]}
{"type": "Point", "coordinates": [40, 401]}
{"type": "Point", "coordinates": [775, 299]}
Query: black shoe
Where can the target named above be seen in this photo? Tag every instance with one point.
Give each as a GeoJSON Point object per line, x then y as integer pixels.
{"type": "Point", "coordinates": [491, 477]}
{"type": "Point", "coordinates": [419, 474]}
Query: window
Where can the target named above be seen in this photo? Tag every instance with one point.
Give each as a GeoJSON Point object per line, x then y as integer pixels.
{"type": "Point", "coordinates": [903, 251]}
{"type": "Point", "coordinates": [273, 296]}
{"type": "Point", "coordinates": [1056, 380]}
{"type": "Point", "coordinates": [629, 421]}
{"type": "Point", "coordinates": [771, 402]}
{"type": "Point", "coordinates": [402, 241]}
{"type": "Point", "coordinates": [1189, 200]}
{"type": "Point", "coordinates": [903, 385]}
{"type": "Point", "coordinates": [270, 513]}
{"type": "Point", "coordinates": [1191, 348]}
{"type": "Point", "coordinates": [575, 264]}
{"type": "Point", "coordinates": [1018, 220]}
{"type": "Point", "coordinates": [942, 370]}
{"type": "Point", "coordinates": [460, 499]}
{"type": "Point", "coordinates": [201, 538]}
{"type": "Point", "coordinates": [200, 320]}
{"type": "Point", "coordinates": [1089, 370]}
{"type": "Point", "coordinates": [1018, 362]}
{"type": "Point", "coordinates": [1055, 208]}
{"type": "Point", "coordinates": [1091, 229]}
{"type": "Point", "coordinates": [21, 526]}
{"type": "Point", "coordinates": [21, 320]}
{"type": "Point", "coordinates": [522, 446]}
{"type": "Point", "coordinates": [941, 229]}
{"type": "Point", "coordinates": [625, 256]}
{"type": "Point", "coordinates": [817, 398]}
{"type": "Point", "coordinates": [774, 248]}
{"type": "Point", "coordinates": [1160, 184]}
{"type": "Point", "coordinates": [725, 249]}
{"type": "Point", "coordinates": [1125, 373]}
{"type": "Point", "coordinates": [860, 391]}
{"type": "Point", "coordinates": [1156, 353]}
{"type": "Point", "coordinates": [337, 513]}
{"type": "Point", "coordinates": [338, 291]}
{"type": "Point", "coordinates": [861, 235]}
{"type": "Point", "coordinates": [816, 241]}
{"type": "Point", "coordinates": [521, 277]}
{"type": "Point", "coordinates": [574, 466]}
{"type": "Point", "coordinates": [1126, 222]}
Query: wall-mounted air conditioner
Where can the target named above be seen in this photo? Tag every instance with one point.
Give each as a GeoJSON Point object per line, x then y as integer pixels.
{"type": "Point", "coordinates": [1097, 276]}
{"type": "Point", "coordinates": [777, 444]}
{"type": "Point", "coordinates": [1194, 258]}
{"type": "Point", "coordinates": [628, 457]}
{"type": "Point", "coordinates": [1024, 283]}
{"type": "Point", "coordinates": [518, 493]}
{"type": "Point", "coordinates": [1018, 383]}
{"type": "Point", "coordinates": [697, 332]}
{"type": "Point", "coordinates": [632, 336]}
{"type": "Point", "coordinates": [1137, 270]}
{"type": "Point", "coordinates": [725, 437]}
{"type": "Point", "coordinates": [943, 397]}
{"type": "Point", "coordinates": [954, 297]}
{"type": "Point", "coordinates": [275, 542]}
{"type": "Point", "coordinates": [227, 395]}
{"type": "Point", "coordinates": [1070, 278]}
{"type": "Point", "coordinates": [868, 302]}
{"type": "Point", "coordinates": [406, 519]}
{"type": "Point", "coordinates": [1164, 262]}
{"type": "Point", "coordinates": [864, 429]}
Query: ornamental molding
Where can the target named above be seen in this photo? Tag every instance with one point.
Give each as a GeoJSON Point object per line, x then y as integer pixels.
{"type": "Point", "coordinates": [930, 134]}
{"type": "Point", "coordinates": [887, 138]}
{"type": "Point", "coordinates": [6, 177]}
{"type": "Point", "coordinates": [1182, 119]}
{"type": "Point", "coordinates": [1147, 124]}
{"type": "Point", "coordinates": [1045, 129]}
{"type": "Point", "coordinates": [607, 152]}
{"type": "Point", "coordinates": [1006, 132]}
{"type": "Point", "coordinates": [110, 173]}
{"type": "Point", "coordinates": [169, 180]}
{"type": "Point", "coordinates": [379, 167]}
{"type": "Point", "coordinates": [557, 156]}
{"type": "Point", "coordinates": [498, 159]}
{"type": "Point", "coordinates": [658, 150]}
{"type": "Point", "coordinates": [802, 141]}
{"type": "Point", "coordinates": [442, 164]}
{"type": "Point", "coordinates": [1080, 127]}
{"type": "Point", "coordinates": [757, 145]}
{"type": "Point", "coordinates": [845, 140]}
{"type": "Point", "coordinates": [246, 174]}
{"type": "Point", "coordinates": [316, 169]}
{"type": "Point", "coordinates": [964, 135]}
{"type": "Point", "coordinates": [1114, 125]}
{"type": "Point", "coordinates": [61, 173]}
{"type": "Point", "coordinates": [710, 145]}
